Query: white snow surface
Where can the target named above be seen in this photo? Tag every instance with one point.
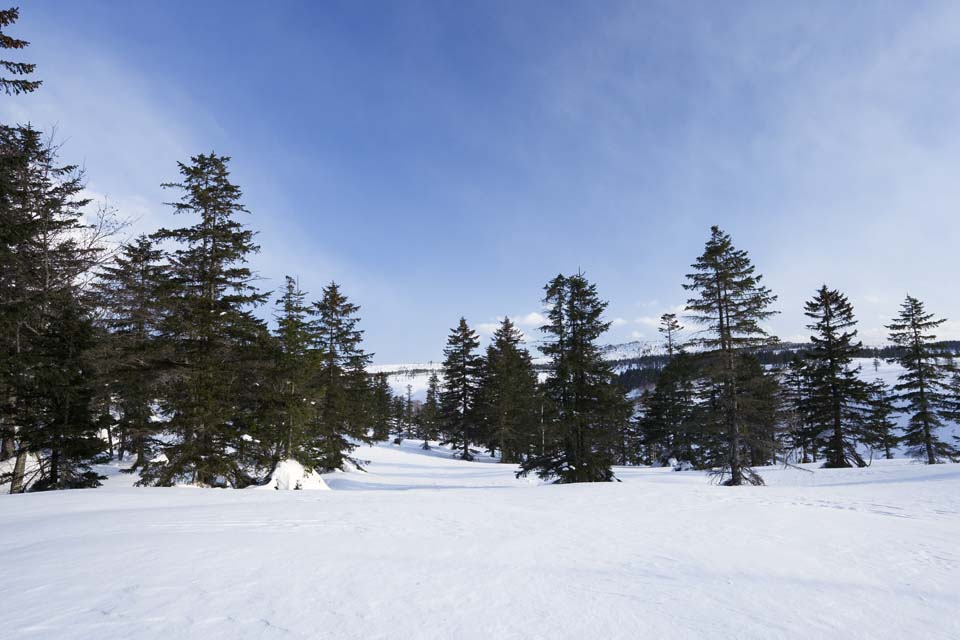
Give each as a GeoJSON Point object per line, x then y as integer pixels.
{"type": "Point", "coordinates": [425, 546]}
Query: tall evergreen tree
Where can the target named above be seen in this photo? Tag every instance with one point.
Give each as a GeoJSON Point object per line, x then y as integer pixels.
{"type": "Point", "coordinates": [210, 329]}
{"type": "Point", "coordinates": [587, 408]}
{"type": "Point", "coordinates": [46, 254]}
{"type": "Point", "coordinates": [922, 387]}
{"type": "Point", "coordinates": [18, 83]}
{"type": "Point", "coordinates": [461, 380]}
{"type": "Point", "coordinates": [731, 304]}
{"type": "Point", "coordinates": [837, 396]}
{"type": "Point", "coordinates": [293, 379]}
{"type": "Point", "coordinates": [508, 406]}
{"type": "Point", "coordinates": [670, 328]}
{"type": "Point", "coordinates": [668, 428]}
{"type": "Point", "coordinates": [879, 427]}
{"type": "Point", "coordinates": [381, 407]}
{"type": "Point", "coordinates": [795, 394]}
{"type": "Point", "coordinates": [345, 386]}
{"type": "Point", "coordinates": [130, 290]}
{"type": "Point", "coordinates": [430, 412]}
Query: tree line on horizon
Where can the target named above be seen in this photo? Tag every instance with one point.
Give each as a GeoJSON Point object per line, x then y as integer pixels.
{"type": "Point", "coordinates": [153, 350]}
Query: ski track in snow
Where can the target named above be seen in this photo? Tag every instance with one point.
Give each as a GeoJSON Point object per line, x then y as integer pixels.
{"type": "Point", "coordinates": [425, 546]}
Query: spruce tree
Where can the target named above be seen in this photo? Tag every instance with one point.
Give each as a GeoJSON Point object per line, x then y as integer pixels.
{"type": "Point", "coordinates": [18, 83]}
{"type": "Point", "coordinates": [210, 331]}
{"type": "Point", "coordinates": [586, 406]}
{"type": "Point", "coordinates": [508, 407]}
{"type": "Point", "coordinates": [293, 380]}
{"type": "Point", "coordinates": [795, 393]}
{"type": "Point", "coordinates": [380, 407]}
{"type": "Point", "coordinates": [731, 304]}
{"type": "Point", "coordinates": [130, 290]}
{"type": "Point", "coordinates": [879, 427]}
{"type": "Point", "coordinates": [47, 253]}
{"type": "Point", "coordinates": [342, 419]}
{"type": "Point", "coordinates": [430, 412]}
{"type": "Point", "coordinates": [668, 428]}
{"type": "Point", "coordinates": [670, 328]}
{"type": "Point", "coordinates": [837, 397]}
{"type": "Point", "coordinates": [461, 379]}
{"type": "Point", "coordinates": [922, 387]}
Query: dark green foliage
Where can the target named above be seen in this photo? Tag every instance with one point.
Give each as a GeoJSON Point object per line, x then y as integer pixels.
{"type": "Point", "coordinates": [836, 397]}
{"type": "Point", "coordinates": [668, 427]}
{"type": "Point", "coordinates": [922, 387]}
{"type": "Point", "coordinates": [731, 304]}
{"type": "Point", "coordinates": [211, 334]}
{"type": "Point", "coordinates": [428, 419]}
{"type": "Point", "coordinates": [670, 328]}
{"type": "Point", "coordinates": [65, 429]}
{"type": "Point", "coordinates": [879, 428]}
{"type": "Point", "coordinates": [799, 434]}
{"type": "Point", "coordinates": [130, 290]}
{"type": "Point", "coordinates": [293, 376]}
{"type": "Point", "coordinates": [508, 406]}
{"type": "Point", "coordinates": [46, 375]}
{"type": "Point", "coordinates": [17, 84]}
{"type": "Point", "coordinates": [461, 380]}
{"type": "Point", "coordinates": [342, 408]}
{"type": "Point", "coordinates": [585, 407]}
{"type": "Point", "coordinates": [381, 407]}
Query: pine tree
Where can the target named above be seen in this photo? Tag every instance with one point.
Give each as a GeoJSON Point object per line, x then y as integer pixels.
{"type": "Point", "coordinates": [670, 327]}
{"type": "Point", "coordinates": [731, 304]}
{"type": "Point", "coordinates": [922, 386]}
{"type": "Point", "coordinates": [837, 396]}
{"type": "Point", "coordinates": [342, 419]}
{"type": "Point", "coordinates": [879, 428]}
{"type": "Point", "coordinates": [668, 428]}
{"type": "Point", "coordinates": [507, 406]}
{"type": "Point", "coordinates": [293, 380]}
{"type": "Point", "coordinates": [381, 407]}
{"type": "Point", "coordinates": [461, 379]}
{"type": "Point", "coordinates": [587, 408]}
{"type": "Point", "coordinates": [430, 412]}
{"type": "Point", "coordinates": [17, 84]}
{"type": "Point", "coordinates": [129, 290]}
{"type": "Point", "coordinates": [210, 331]}
{"type": "Point", "coordinates": [69, 435]}
{"type": "Point", "coordinates": [46, 256]}
{"type": "Point", "coordinates": [795, 395]}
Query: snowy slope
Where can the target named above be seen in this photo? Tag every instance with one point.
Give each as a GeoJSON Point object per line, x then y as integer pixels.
{"type": "Point", "coordinates": [423, 546]}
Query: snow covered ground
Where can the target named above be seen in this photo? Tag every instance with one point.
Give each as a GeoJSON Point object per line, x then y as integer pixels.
{"type": "Point", "coordinates": [423, 546]}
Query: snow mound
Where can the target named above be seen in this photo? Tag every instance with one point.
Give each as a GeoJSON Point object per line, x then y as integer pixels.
{"type": "Point", "coordinates": [290, 474]}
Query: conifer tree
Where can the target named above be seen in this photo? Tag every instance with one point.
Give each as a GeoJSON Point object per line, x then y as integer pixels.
{"type": "Point", "coordinates": [837, 396]}
{"type": "Point", "coordinates": [730, 303]}
{"type": "Point", "coordinates": [342, 373]}
{"type": "Point", "coordinates": [879, 427]}
{"type": "Point", "coordinates": [670, 328]}
{"type": "Point", "coordinates": [18, 83]}
{"type": "Point", "coordinates": [587, 408]}
{"type": "Point", "coordinates": [795, 393]}
{"type": "Point", "coordinates": [922, 387]}
{"type": "Point", "coordinates": [461, 379]}
{"type": "Point", "coordinates": [429, 422]}
{"type": "Point", "coordinates": [508, 406]}
{"type": "Point", "coordinates": [381, 407]}
{"type": "Point", "coordinates": [668, 428]}
{"type": "Point", "coordinates": [210, 331]}
{"type": "Point", "coordinates": [130, 290]}
{"type": "Point", "coordinates": [46, 256]}
{"type": "Point", "coordinates": [293, 378]}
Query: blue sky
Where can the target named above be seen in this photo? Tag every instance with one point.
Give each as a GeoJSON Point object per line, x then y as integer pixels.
{"type": "Point", "coordinates": [441, 159]}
